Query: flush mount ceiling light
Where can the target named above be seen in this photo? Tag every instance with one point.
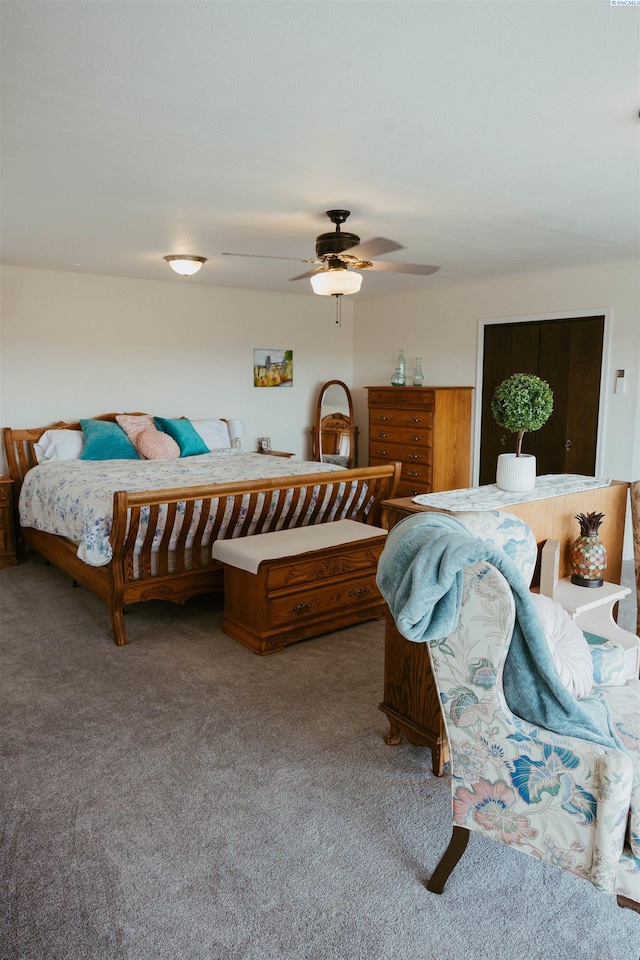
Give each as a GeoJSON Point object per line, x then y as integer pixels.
{"type": "Point", "coordinates": [336, 281]}
{"type": "Point", "coordinates": [185, 265]}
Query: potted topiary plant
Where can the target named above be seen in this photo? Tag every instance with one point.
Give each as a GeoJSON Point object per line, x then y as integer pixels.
{"type": "Point", "coordinates": [521, 403]}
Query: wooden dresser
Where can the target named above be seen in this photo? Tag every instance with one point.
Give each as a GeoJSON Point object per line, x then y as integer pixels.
{"type": "Point", "coordinates": [410, 699]}
{"type": "Point", "coordinates": [428, 429]}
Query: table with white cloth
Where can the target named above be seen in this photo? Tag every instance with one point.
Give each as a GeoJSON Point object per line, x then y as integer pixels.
{"type": "Point", "coordinates": [550, 510]}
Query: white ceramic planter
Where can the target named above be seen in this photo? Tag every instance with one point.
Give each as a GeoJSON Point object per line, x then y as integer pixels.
{"type": "Point", "coordinates": [516, 474]}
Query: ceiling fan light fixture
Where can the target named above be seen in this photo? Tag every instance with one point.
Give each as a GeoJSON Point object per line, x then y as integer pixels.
{"type": "Point", "coordinates": [185, 265]}
{"type": "Point", "coordinates": [336, 282]}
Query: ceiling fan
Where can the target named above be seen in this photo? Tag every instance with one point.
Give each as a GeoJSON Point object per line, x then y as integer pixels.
{"type": "Point", "coordinates": [339, 255]}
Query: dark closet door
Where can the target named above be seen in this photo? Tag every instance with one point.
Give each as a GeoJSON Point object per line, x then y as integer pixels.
{"type": "Point", "coordinates": [568, 355]}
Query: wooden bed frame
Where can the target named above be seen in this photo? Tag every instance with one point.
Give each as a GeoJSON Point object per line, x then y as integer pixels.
{"type": "Point", "coordinates": [181, 573]}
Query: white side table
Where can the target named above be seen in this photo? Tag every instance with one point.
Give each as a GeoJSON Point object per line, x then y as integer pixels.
{"type": "Point", "coordinates": [592, 610]}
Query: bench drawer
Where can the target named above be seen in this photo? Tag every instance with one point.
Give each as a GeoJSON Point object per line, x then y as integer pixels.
{"type": "Point", "coordinates": [315, 605]}
{"type": "Point", "coordinates": [350, 561]}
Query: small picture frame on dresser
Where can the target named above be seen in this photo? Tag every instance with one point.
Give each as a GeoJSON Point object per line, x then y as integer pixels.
{"type": "Point", "coordinates": [264, 444]}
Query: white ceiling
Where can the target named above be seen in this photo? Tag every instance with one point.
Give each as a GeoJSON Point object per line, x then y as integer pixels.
{"type": "Point", "coordinates": [488, 137]}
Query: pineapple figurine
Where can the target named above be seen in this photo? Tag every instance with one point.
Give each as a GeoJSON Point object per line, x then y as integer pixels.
{"type": "Point", "coordinates": [588, 556]}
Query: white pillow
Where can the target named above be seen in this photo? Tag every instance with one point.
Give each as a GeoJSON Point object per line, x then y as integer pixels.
{"type": "Point", "coordinates": [59, 445]}
{"type": "Point", "coordinates": [214, 433]}
{"type": "Point", "coordinates": [568, 645]}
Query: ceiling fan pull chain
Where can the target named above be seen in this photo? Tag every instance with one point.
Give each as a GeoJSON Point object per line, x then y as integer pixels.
{"type": "Point", "coordinates": [338, 297]}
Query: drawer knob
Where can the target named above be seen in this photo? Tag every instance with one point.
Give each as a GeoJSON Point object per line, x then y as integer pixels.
{"type": "Point", "coordinates": [414, 456]}
{"type": "Point", "coordinates": [415, 419]}
{"type": "Point", "coordinates": [301, 608]}
{"type": "Point", "coordinates": [414, 473]}
{"type": "Point", "coordinates": [382, 436]}
{"type": "Point", "coordinates": [361, 592]}
{"type": "Point", "coordinates": [381, 417]}
{"type": "Point", "coordinates": [381, 453]}
{"type": "Point", "coordinates": [414, 438]}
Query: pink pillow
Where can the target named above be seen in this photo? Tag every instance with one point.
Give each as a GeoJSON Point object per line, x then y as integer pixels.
{"type": "Point", "coordinates": [153, 444]}
{"type": "Point", "coordinates": [134, 425]}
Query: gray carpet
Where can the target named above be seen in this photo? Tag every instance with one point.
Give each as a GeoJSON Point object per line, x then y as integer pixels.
{"type": "Point", "coordinates": [183, 798]}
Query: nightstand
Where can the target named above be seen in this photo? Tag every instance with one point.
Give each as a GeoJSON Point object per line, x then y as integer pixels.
{"type": "Point", "coordinates": [7, 530]}
{"type": "Point", "coordinates": [592, 610]}
{"type": "Point", "coordinates": [277, 453]}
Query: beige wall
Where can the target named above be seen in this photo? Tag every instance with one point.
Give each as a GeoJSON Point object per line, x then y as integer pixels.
{"type": "Point", "coordinates": [74, 345]}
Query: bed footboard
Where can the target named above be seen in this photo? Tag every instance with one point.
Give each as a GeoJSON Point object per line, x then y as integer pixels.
{"type": "Point", "coordinates": [161, 540]}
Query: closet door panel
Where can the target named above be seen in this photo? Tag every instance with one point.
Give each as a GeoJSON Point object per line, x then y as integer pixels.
{"type": "Point", "coordinates": [548, 443]}
{"type": "Point", "coordinates": [585, 364]}
{"type": "Point", "coordinates": [508, 348]}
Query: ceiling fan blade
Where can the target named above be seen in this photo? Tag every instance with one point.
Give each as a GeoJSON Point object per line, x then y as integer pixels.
{"type": "Point", "coordinates": [309, 273]}
{"type": "Point", "coordinates": [401, 267]}
{"type": "Point", "coordinates": [266, 256]}
{"type": "Point", "coordinates": [373, 248]}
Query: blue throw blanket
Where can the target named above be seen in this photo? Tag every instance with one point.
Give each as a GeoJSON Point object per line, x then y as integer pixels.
{"type": "Point", "coordinates": [420, 575]}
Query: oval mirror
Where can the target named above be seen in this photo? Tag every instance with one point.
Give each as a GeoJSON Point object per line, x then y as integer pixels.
{"type": "Point", "coordinates": [334, 434]}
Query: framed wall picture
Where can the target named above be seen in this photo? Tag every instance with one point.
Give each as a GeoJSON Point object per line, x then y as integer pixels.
{"type": "Point", "coordinates": [272, 367]}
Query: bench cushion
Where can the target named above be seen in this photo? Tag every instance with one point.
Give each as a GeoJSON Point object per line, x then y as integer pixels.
{"type": "Point", "coordinates": [248, 553]}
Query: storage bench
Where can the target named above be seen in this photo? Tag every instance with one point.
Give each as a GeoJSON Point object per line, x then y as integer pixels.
{"type": "Point", "coordinates": [291, 584]}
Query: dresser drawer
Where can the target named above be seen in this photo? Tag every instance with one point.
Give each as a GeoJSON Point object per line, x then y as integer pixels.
{"type": "Point", "coordinates": [311, 605]}
{"type": "Point", "coordinates": [388, 420]}
{"type": "Point", "coordinates": [384, 452]}
{"type": "Point", "coordinates": [400, 397]}
{"type": "Point", "coordinates": [416, 474]}
{"type": "Point", "coordinates": [408, 488]}
{"type": "Point", "coordinates": [406, 437]}
{"type": "Point", "coordinates": [415, 478]}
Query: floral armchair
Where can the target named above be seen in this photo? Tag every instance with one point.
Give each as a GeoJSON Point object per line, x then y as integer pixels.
{"type": "Point", "coordinates": [564, 800]}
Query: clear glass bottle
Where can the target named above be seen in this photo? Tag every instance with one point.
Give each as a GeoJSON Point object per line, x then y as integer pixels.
{"type": "Point", "coordinates": [418, 377]}
{"type": "Point", "coordinates": [400, 376]}
{"type": "Point", "coordinates": [398, 379]}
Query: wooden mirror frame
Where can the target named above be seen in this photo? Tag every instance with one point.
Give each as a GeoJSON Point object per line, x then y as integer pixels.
{"type": "Point", "coordinates": [316, 432]}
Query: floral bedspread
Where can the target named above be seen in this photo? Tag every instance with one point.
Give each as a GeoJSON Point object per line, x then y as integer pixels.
{"type": "Point", "coordinates": [74, 498]}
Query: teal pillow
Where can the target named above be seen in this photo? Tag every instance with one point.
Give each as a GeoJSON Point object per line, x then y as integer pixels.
{"type": "Point", "coordinates": [185, 435]}
{"type": "Point", "coordinates": [105, 440]}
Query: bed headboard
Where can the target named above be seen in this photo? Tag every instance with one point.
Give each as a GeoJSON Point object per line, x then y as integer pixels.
{"type": "Point", "coordinates": [19, 445]}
